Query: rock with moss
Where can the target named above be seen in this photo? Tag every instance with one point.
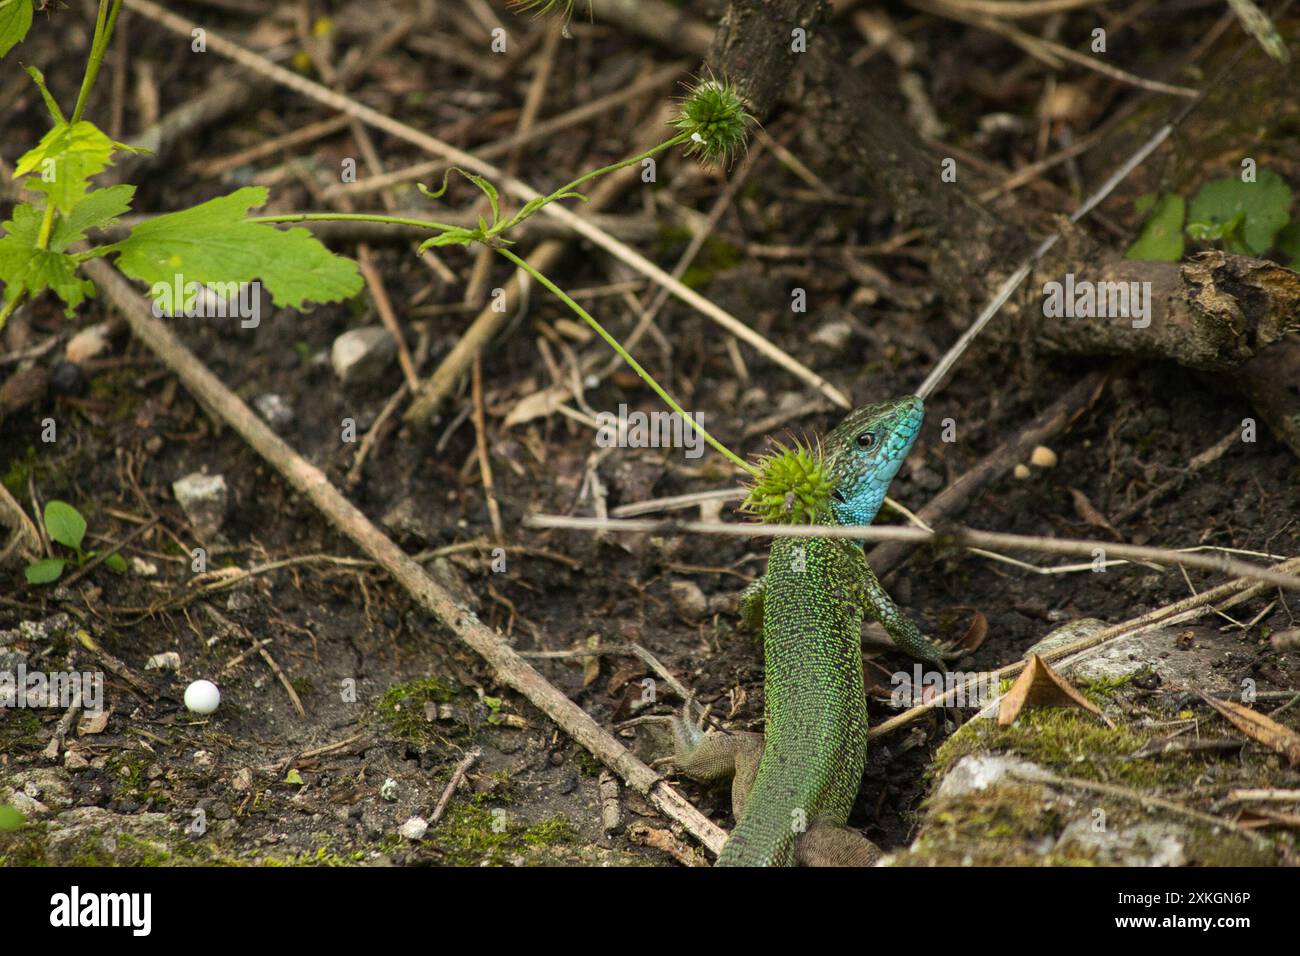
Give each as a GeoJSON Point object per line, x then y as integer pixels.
{"type": "Point", "coordinates": [1062, 787]}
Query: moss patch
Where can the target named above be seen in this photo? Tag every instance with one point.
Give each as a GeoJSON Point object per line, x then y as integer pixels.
{"type": "Point", "coordinates": [401, 710]}
{"type": "Point", "coordinates": [472, 836]}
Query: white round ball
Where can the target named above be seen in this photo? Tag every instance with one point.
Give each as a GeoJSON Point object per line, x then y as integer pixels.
{"type": "Point", "coordinates": [202, 697]}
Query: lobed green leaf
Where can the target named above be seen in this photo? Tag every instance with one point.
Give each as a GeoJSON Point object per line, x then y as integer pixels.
{"type": "Point", "coordinates": [213, 242]}
{"type": "Point", "coordinates": [27, 269]}
{"type": "Point", "coordinates": [15, 21]}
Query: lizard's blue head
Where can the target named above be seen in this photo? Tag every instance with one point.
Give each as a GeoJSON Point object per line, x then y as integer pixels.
{"type": "Point", "coordinates": [865, 451]}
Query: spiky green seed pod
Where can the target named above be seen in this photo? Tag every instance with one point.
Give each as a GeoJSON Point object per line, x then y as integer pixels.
{"type": "Point", "coordinates": [714, 115]}
{"type": "Point", "coordinates": [793, 486]}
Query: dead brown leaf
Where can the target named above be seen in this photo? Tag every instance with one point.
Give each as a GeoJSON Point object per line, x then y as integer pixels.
{"type": "Point", "coordinates": [1260, 728]}
{"type": "Point", "coordinates": [591, 665]}
{"type": "Point", "coordinates": [537, 405]}
{"type": "Point", "coordinates": [1040, 686]}
{"type": "Point", "coordinates": [1086, 510]}
{"type": "Point", "coordinates": [645, 835]}
{"type": "Point", "coordinates": [1257, 818]}
{"type": "Point", "coordinates": [93, 723]}
{"type": "Point", "coordinates": [975, 634]}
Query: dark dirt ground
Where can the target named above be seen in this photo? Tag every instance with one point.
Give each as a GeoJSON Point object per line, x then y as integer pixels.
{"type": "Point", "coordinates": [422, 700]}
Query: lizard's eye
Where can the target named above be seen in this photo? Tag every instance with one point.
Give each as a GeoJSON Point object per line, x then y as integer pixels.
{"type": "Point", "coordinates": [867, 440]}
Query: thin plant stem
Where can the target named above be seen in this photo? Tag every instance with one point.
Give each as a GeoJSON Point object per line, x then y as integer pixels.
{"type": "Point", "coordinates": [612, 167]}
{"type": "Point", "coordinates": [627, 357]}
{"type": "Point", "coordinates": [8, 309]}
{"type": "Point", "coordinates": [104, 23]}
{"type": "Point", "coordinates": [351, 217]}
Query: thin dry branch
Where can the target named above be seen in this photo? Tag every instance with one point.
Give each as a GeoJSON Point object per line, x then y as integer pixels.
{"type": "Point", "coordinates": [956, 537]}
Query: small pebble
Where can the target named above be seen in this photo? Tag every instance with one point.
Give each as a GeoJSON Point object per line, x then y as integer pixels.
{"type": "Point", "coordinates": [361, 356]}
{"type": "Point", "coordinates": [87, 343]}
{"type": "Point", "coordinates": [1043, 457]}
{"type": "Point", "coordinates": [1021, 472]}
{"type": "Point", "coordinates": [277, 412]}
{"type": "Point", "coordinates": [204, 499]}
{"type": "Point", "coordinates": [689, 601]}
{"type": "Point", "coordinates": [67, 378]}
{"type": "Point", "coordinates": [169, 661]}
{"type": "Point", "coordinates": [414, 829]}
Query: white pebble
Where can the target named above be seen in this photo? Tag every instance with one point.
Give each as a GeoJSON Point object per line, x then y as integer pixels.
{"type": "Point", "coordinates": [202, 697]}
{"type": "Point", "coordinates": [414, 829]}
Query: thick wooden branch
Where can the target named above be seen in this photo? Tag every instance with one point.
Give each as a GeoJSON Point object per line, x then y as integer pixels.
{"type": "Point", "coordinates": [755, 47]}
{"type": "Point", "coordinates": [1214, 312]}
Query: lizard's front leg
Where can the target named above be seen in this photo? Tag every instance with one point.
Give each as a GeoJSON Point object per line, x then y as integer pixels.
{"type": "Point", "coordinates": [904, 633]}
{"type": "Point", "coordinates": [751, 604]}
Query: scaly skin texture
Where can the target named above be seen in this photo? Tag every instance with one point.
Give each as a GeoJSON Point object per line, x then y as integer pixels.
{"type": "Point", "coordinates": [815, 741]}
{"type": "Point", "coordinates": [794, 788]}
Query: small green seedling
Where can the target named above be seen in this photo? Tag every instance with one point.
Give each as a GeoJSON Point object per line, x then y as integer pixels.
{"type": "Point", "coordinates": [65, 525]}
{"type": "Point", "coordinates": [1162, 233]}
{"type": "Point", "coordinates": [1244, 218]}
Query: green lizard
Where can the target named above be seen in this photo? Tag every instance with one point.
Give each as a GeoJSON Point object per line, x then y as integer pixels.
{"type": "Point", "coordinates": [793, 787]}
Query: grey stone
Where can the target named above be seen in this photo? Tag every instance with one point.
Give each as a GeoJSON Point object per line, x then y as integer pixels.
{"type": "Point", "coordinates": [204, 499]}
{"type": "Point", "coordinates": [977, 772]}
{"type": "Point", "coordinates": [361, 356]}
{"type": "Point", "coordinates": [277, 412]}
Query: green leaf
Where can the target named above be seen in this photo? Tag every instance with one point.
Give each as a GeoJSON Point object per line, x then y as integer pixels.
{"type": "Point", "coordinates": [11, 818]}
{"type": "Point", "coordinates": [1288, 243]}
{"type": "Point", "coordinates": [115, 563]}
{"type": "Point", "coordinates": [65, 524]}
{"type": "Point", "coordinates": [98, 209]}
{"type": "Point", "coordinates": [64, 160]}
{"type": "Point", "coordinates": [27, 269]}
{"type": "Point", "coordinates": [1162, 233]}
{"type": "Point", "coordinates": [1264, 207]}
{"type": "Point", "coordinates": [1214, 229]}
{"type": "Point", "coordinates": [51, 104]}
{"type": "Point", "coordinates": [487, 188]}
{"type": "Point", "coordinates": [452, 237]}
{"type": "Point", "coordinates": [530, 207]}
{"type": "Point", "coordinates": [441, 190]}
{"type": "Point", "coordinates": [294, 778]}
{"type": "Point", "coordinates": [44, 572]}
{"type": "Point", "coordinates": [15, 21]}
{"type": "Point", "coordinates": [212, 242]}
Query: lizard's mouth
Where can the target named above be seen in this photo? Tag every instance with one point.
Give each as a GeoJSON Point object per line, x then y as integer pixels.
{"type": "Point", "coordinates": [835, 493]}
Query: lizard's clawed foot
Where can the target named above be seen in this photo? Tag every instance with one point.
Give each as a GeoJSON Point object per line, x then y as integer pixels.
{"type": "Point", "coordinates": [709, 756]}
{"type": "Point", "coordinates": [687, 732]}
{"type": "Point", "coordinates": [951, 652]}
